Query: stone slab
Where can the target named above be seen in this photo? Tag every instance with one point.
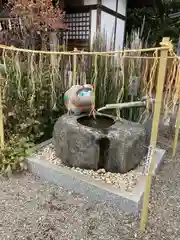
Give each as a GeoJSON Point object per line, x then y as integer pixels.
{"type": "Point", "coordinates": [129, 202]}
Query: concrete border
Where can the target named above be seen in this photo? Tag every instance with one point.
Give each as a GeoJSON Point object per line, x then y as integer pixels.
{"type": "Point", "coordinates": [95, 190]}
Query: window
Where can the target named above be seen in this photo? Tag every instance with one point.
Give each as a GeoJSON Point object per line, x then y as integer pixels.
{"type": "Point", "coordinates": [79, 25]}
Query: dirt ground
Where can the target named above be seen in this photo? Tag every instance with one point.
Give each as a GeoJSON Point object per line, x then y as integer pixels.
{"type": "Point", "coordinates": [31, 209]}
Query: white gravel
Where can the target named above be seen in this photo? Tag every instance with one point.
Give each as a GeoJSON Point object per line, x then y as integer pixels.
{"type": "Point", "coordinates": [33, 210]}
{"type": "Point", "coordinates": [122, 181]}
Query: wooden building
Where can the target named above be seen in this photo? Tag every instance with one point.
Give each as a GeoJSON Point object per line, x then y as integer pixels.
{"type": "Point", "coordinates": [86, 18]}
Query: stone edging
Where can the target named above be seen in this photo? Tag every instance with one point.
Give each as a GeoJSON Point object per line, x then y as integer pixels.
{"type": "Point", "coordinates": [95, 190]}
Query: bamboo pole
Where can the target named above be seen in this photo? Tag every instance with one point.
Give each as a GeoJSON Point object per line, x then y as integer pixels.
{"type": "Point", "coordinates": [154, 133]}
{"type": "Point", "coordinates": [74, 67]}
{"type": "Point", "coordinates": [123, 105]}
{"type": "Point", "coordinates": [1, 117]}
{"type": "Point", "coordinates": [178, 116]}
{"type": "Point", "coordinates": [176, 133]}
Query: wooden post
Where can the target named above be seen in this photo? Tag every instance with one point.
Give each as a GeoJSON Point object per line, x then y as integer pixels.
{"type": "Point", "coordinates": [1, 117]}
{"type": "Point", "coordinates": [98, 19]}
{"type": "Point", "coordinates": [154, 133]}
{"type": "Point", "coordinates": [75, 67]}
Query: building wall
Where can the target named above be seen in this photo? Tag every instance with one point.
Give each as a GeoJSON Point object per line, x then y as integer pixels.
{"type": "Point", "coordinates": [93, 25]}
{"type": "Point", "coordinates": [90, 2]}
{"type": "Point", "coordinates": [119, 40]}
{"type": "Point", "coordinates": [110, 4]}
{"type": "Point", "coordinates": [114, 37]}
{"type": "Point", "coordinates": [122, 7]}
{"type": "Point", "coordinates": [108, 23]}
{"type": "Point", "coordinates": [107, 27]}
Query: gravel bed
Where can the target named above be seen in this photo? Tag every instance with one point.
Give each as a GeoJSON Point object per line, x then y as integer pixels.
{"type": "Point", "coordinates": [122, 181]}
{"type": "Point", "coordinates": [33, 210]}
{"type": "Point", "coordinates": [30, 209]}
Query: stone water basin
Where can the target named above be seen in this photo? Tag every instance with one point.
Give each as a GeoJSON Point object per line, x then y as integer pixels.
{"type": "Point", "coordinates": [87, 143]}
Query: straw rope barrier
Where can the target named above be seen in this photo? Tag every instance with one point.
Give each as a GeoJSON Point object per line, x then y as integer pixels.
{"type": "Point", "coordinates": [108, 53]}
{"type": "Point", "coordinates": [12, 48]}
{"type": "Point", "coordinates": [165, 52]}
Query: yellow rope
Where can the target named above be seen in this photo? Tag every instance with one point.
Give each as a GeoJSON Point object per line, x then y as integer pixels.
{"type": "Point", "coordinates": [80, 52]}
{"type": "Point", "coordinates": [150, 83]}
{"type": "Point", "coordinates": [152, 57]}
{"type": "Point", "coordinates": [171, 96]}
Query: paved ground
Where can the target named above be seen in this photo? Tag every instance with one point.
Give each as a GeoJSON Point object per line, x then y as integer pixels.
{"type": "Point", "coordinates": [30, 209]}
